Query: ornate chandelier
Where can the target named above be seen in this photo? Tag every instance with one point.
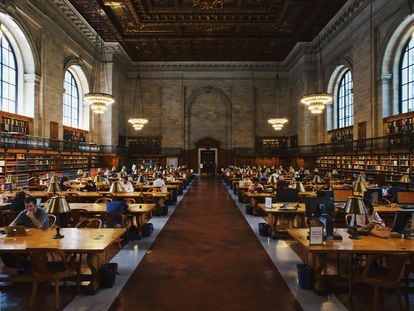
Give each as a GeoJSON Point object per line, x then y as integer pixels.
{"type": "Point", "coordinates": [277, 123]}
{"type": "Point", "coordinates": [208, 4]}
{"type": "Point", "coordinates": [138, 123]}
{"type": "Point", "coordinates": [316, 102]}
{"type": "Point", "coordinates": [99, 101]}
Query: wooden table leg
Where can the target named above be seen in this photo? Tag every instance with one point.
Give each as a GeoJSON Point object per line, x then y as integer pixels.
{"type": "Point", "coordinates": [318, 264]}
{"type": "Point", "coordinates": [94, 261]}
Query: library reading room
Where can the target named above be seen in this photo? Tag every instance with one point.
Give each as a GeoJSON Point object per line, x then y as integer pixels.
{"type": "Point", "coordinates": [240, 155]}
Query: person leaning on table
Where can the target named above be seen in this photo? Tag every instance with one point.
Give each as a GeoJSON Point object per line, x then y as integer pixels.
{"type": "Point", "coordinates": [32, 216]}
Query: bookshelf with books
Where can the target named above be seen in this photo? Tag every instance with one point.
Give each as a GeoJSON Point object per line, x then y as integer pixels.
{"type": "Point", "coordinates": [74, 134]}
{"type": "Point", "coordinates": [345, 134]}
{"type": "Point", "coordinates": [397, 127]}
{"type": "Point", "coordinates": [392, 165]}
{"type": "Point", "coordinates": [15, 124]}
{"type": "Point", "coordinates": [145, 144]}
{"type": "Point", "coordinates": [269, 145]}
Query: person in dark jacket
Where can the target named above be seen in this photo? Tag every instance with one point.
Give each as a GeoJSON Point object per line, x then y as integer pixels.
{"type": "Point", "coordinates": [17, 204]}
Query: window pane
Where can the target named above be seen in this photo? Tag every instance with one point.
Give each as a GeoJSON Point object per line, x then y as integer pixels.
{"type": "Point", "coordinates": [407, 78]}
{"type": "Point", "coordinates": [70, 101]}
{"type": "Point", "coordinates": [8, 77]}
{"type": "Point", "coordinates": [345, 101]}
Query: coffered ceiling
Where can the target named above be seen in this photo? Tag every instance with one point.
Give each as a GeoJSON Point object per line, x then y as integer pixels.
{"type": "Point", "coordinates": [176, 30]}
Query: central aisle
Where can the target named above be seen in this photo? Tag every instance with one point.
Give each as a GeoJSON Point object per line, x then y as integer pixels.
{"type": "Point", "coordinates": [206, 258]}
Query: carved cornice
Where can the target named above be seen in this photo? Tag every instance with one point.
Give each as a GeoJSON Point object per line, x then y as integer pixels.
{"type": "Point", "coordinates": [342, 18]}
{"type": "Point", "coordinates": [209, 66]}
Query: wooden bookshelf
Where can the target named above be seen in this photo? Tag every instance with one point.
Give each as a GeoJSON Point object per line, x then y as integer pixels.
{"type": "Point", "coordinates": [73, 134]}
{"type": "Point", "coordinates": [397, 127]}
{"type": "Point", "coordinates": [341, 135]}
{"type": "Point", "coordinates": [270, 144]}
{"type": "Point", "coordinates": [145, 144]}
{"type": "Point", "coordinates": [14, 123]}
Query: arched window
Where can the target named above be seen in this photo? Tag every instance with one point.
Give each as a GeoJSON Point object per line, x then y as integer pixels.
{"type": "Point", "coordinates": [345, 101]}
{"type": "Point", "coordinates": [8, 76]}
{"type": "Point", "coordinates": [407, 78]}
{"type": "Point", "coordinates": [70, 101]}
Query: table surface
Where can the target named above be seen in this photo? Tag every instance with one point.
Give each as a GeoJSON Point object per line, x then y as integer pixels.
{"type": "Point", "coordinates": [101, 207]}
{"type": "Point", "coordinates": [367, 244]}
{"type": "Point", "coordinates": [279, 208]}
{"type": "Point", "coordinates": [83, 240]}
{"type": "Point", "coordinates": [82, 194]}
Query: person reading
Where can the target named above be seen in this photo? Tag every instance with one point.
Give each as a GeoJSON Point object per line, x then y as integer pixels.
{"type": "Point", "coordinates": [32, 216]}
{"type": "Point", "coordinates": [256, 186]}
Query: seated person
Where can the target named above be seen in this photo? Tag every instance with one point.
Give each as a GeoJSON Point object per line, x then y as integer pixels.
{"type": "Point", "coordinates": [141, 178]}
{"type": "Point", "coordinates": [159, 182]}
{"type": "Point", "coordinates": [369, 220]}
{"type": "Point", "coordinates": [90, 186]}
{"type": "Point", "coordinates": [117, 206]}
{"type": "Point", "coordinates": [256, 186]}
{"type": "Point", "coordinates": [17, 204]}
{"type": "Point", "coordinates": [32, 216]}
{"type": "Point", "coordinates": [127, 185]}
{"type": "Point", "coordinates": [392, 193]}
{"type": "Point", "coordinates": [64, 184]}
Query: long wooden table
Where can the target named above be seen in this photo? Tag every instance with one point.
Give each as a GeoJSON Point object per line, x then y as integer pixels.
{"type": "Point", "coordinates": [142, 212]}
{"type": "Point", "coordinates": [254, 196]}
{"type": "Point", "coordinates": [283, 210]}
{"type": "Point", "coordinates": [366, 245]}
{"type": "Point", "coordinates": [92, 242]}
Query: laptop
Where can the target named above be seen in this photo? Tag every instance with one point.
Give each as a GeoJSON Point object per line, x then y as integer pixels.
{"type": "Point", "coordinates": [15, 230]}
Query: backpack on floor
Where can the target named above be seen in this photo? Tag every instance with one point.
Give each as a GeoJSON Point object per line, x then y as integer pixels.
{"type": "Point", "coordinates": [249, 210]}
{"type": "Point", "coordinates": [107, 274]}
{"type": "Point", "coordinates": [147, 229]}
{"type": "Point", "coordinates": [264, 229]}
{"type": "Point", "coordinates": [132, 233]}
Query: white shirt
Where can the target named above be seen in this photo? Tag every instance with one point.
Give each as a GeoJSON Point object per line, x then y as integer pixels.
{"type": "Point", "coordinates": [159, 183]}
{"type": "Point", "coordinates": [128, 187]}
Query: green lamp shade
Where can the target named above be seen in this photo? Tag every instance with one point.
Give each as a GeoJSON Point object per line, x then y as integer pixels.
{"type": "Point", "coordinates": [57, 205]}
{"type": "Point", "coordinates": [299, 186]}
{"type": "Point", "coordinates": [405, 179]}
{"type": "Point", "coordinates": [355, 205]}
{"type": "Point", "coordinates": [116, 187]}
{"type": "Point", "coordinates": [359, 187]}
{"type": "Point", "coordinates": [53, 187]}
{"type": "Point", "coordinates": [317, 179]}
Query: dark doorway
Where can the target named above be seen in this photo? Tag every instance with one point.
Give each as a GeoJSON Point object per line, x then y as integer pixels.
{"type": "Point", "coordinates": [208, 161]}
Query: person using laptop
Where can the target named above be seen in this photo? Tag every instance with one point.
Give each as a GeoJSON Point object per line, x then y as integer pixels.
{"type": "Point", "coordinates": [32, 216]}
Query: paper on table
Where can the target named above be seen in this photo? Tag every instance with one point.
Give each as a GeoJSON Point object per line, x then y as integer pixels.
{"type": "Point", "coordinates": [268, 202]}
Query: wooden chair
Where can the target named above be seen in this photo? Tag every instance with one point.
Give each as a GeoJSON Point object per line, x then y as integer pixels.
{"type": "Point", "coordinates": [380, 271]}
{"type": "Point", "coordinates": [47, 270]}
{"type": "Point", "coordinates": [129, 200]}
{"type": "Point", "coordinates": [72, 197]}
{"type": "Point", "coordinates": [103, 200]}
{"type": "Point", "coordinates": [89, 223]}
{"type": "Point", "coordinates": [52, 220]}
{"type": "Point", "coordinates": [76, 215]}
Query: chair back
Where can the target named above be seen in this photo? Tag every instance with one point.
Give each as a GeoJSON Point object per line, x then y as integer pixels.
{"type": "Point", "coordinates": [103, 200]}
{"type": "Point", "coordinates": [72, 197]}
{"type": "Point", "coordinates": [147, 198]}
{"type": "Point", "coordinates": [89, 223]}
{"type": "Point", "coordinates": [41, 257]}
{"type": "Point", "coordinates": [52, 220]}
{"type": "Point", "coordinates": [76, 215]}
{"type": "Point", "coordinates": [6, 217]}
{"type": "Point", "coordinates": [113, 220]}
{"type": "Point", "coordinates": [390, 267]}
{"type": "Point", "coordinates": [129, 200]}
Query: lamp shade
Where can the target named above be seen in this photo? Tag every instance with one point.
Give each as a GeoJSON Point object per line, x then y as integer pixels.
{"type": "Point", "coordinates": [317, 179]}
{"type": "Point", "coordinates": [405, 179]}
{"type": "Point", "coordinates": [10, 179]}
{"type": "Point", "coordinates": [272, 180]}
{"type": "Point", "coordinates": [299, 186]}
{"type": "Point", "coordinates": [359, 187]}
{"type": "Point", "coordinates": [361, 179]}
{"type": "Point", "coordinates": [79, 172]}
{"type": "Point", "coordinates": [57, 205]}
{"type": "Point", "coordinates": [116, 187]}
{"type": "Point", "coordinates": [53, 187]}
{"type": "Point", "coordinates": [355, 205]}
{"type": "Point", "coordinates": [306, 172]}
{"type": "Point", "coordinates": [335, 172]}
{"type": "Point", "coordinates": [99, 170]}
{"type": "Point", "coordinates": [53, 179]}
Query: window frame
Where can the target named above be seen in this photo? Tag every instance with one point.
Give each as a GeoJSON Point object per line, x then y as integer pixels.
{"type": "Point", "coordinates": [345, 102]}
{"type": "Point", "coordinates": [409, 100]}
{"type": "Point", "coordinates": [73, 83]}
{"type": "Point", "coordinates": [8, 83]}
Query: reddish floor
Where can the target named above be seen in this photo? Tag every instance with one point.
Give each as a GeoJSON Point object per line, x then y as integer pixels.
{"type": "Point", "coordinates": [206, 258]}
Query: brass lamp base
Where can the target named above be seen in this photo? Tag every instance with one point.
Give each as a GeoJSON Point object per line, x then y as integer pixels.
{"type": "Point", "coordinates": [58, 235]}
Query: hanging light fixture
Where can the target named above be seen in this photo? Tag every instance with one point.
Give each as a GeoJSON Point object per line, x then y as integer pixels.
{"type": "Point", "coordinates": [316, 102]}
{"type": "Point", "coordinates": [138, 123]}
{"type": "Point", "coordinates": [278, 122]}
{"type": "Point", "coordinates": [99, 101]}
